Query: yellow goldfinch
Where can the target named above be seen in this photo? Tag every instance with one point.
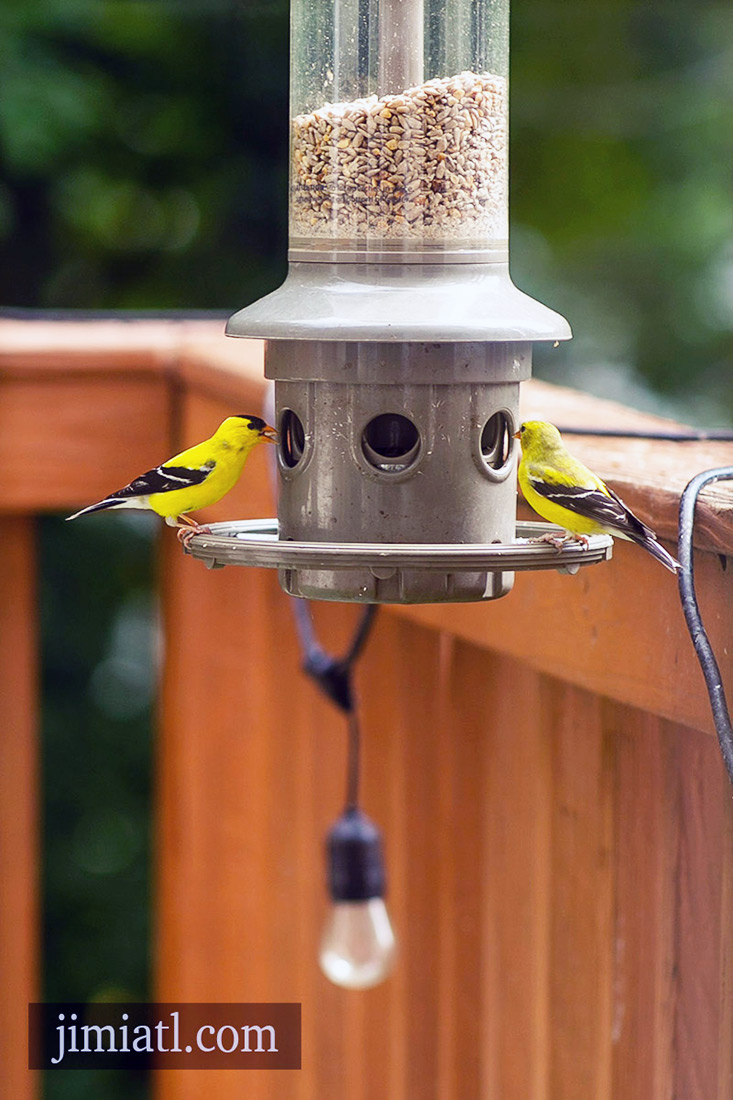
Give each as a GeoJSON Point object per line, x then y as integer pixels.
{"type": "Point", "coordinates": [194, 478]}
{"type": "Point", "coordinates": [564, 491]}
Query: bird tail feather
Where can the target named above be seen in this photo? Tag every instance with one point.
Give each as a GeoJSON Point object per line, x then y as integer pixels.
{"type": "Point", "coordinates": [657, 551]}
{"type": "Point", "coordinates": [108, 502]}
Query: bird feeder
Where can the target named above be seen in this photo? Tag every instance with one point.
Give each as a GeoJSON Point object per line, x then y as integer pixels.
{"type": "Point", "coordinates": [397, 343]}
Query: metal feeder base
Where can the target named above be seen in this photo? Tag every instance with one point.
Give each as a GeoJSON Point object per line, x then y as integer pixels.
{"type": "Point", "coordinates": [393, 572]}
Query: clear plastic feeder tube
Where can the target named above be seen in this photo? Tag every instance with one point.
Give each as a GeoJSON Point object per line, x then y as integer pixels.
{"type": "Point", "coordinates": [399, 129]}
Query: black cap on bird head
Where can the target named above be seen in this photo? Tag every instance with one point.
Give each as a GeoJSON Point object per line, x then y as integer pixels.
{"type": "Point", "coordinates": [255, 422]}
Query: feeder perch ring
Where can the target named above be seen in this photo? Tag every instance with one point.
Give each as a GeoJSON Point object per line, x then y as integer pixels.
{"type": "Point", "coordinates": [394, 568]}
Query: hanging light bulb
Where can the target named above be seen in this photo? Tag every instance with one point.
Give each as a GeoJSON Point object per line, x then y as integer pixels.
{"type": "Point", "coordinates": [358, 946]}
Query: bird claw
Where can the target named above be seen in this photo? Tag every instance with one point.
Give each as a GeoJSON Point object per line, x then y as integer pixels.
{"type": "Point", "coordinates": [185, 534]}
{"type": "Point", "coordinates": [558, 541]}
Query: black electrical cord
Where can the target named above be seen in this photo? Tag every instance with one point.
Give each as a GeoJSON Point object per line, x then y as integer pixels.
{"type": "Point", "coordinates": [332, 674]}
{"type": "Point", "coordinates": [688, 598]}
{"type": "Point", "coordinates": [354, 856]}
{"type": "Point", "coordinates": [333, 677]}
{"type": "Point", "coordinates": [686, 576]}
{"type": "Point", "coordinates": [693, 435]}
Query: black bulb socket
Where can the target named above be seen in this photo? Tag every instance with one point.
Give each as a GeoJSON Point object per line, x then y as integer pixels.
{"type": "Point", "coordinates": [354, 858]}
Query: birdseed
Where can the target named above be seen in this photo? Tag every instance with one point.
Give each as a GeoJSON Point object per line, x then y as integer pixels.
{"type": "Point", "coordinates": [429, 163]}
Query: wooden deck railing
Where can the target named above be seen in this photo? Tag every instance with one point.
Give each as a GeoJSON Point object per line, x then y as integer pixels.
{"type": "Point", "coordinates": [559, 827]}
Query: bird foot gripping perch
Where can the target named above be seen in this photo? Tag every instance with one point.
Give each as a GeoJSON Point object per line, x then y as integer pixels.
{"type": "Point", "coordinates": [559, 541]}
{"type": "Point", "coordinates": [185, 534]}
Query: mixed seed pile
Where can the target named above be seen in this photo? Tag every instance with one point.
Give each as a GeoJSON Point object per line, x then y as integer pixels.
{"type": "Point", "coordinates": [429, 162]}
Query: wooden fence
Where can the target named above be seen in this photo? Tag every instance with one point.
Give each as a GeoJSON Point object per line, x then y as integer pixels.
{"type": "Point", "coordinates": [559, 827]}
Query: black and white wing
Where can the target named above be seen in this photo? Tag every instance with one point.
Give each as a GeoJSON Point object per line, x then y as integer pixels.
{"type": "Point", "coordinates": [161, 479]}
{"type": "Point", "coordinates": [605, 507]}
{"type": "Point", "coordinates": [164, 479]}
{"type": "Point", "coordinates": [593, 503]}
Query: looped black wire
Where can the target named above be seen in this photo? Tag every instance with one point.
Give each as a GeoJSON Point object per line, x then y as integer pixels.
{"type": "Point", "coordinates": [332, 674]}
{"type": "Point", "coordinates": [333, 677]}
{"type": "Point", "coordinates": [700, 640]}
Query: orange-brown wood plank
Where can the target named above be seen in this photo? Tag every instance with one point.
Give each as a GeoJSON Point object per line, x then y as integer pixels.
{"type": "Point", "coordinates": [66, 442]}
{"type": "Point", "coordinates": [582, 895]}
{"type": "Point", "coordinates": [405, 708]}
{"type": "Point", "coordinates": [558, 966]}
{"type": "Point", "coordinates": [231, 370]}
{"type": "Point", "coordinates": [462, 811]}
{"type": "Point", "coordinates": [725, 1033]}
{"type": "Point", "coordinates": [645, 919]}
{"type": "Point", "coordinates": [231, 897]}
{"type": "Point", "coordinates": [19, 809]}
{"type": "Point", "coordinates": [36, 348]}
{"type": "Point", "coordinates": [704, 802]}
{"type": "Point", "coordinates": [500, 703]}
{"type": "Point", "coordinates": [615, 629]}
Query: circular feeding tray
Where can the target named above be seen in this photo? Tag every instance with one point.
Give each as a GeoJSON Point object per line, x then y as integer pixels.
{"type": "Point", "coordinates": [394, 572]}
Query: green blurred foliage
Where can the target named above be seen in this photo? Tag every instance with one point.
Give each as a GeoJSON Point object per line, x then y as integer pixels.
{"type": "Point", "coordinates": [622, 200]}
{"type": "Point", "coordinates": [98, 678]}
{"type": "Point", "coordinates": [144, 150]}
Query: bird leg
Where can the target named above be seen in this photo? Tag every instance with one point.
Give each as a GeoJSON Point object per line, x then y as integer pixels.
{"type": "Point", "coordinates": [188, 529]}
{"type": "Point", "coordinates": [558, 541]}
